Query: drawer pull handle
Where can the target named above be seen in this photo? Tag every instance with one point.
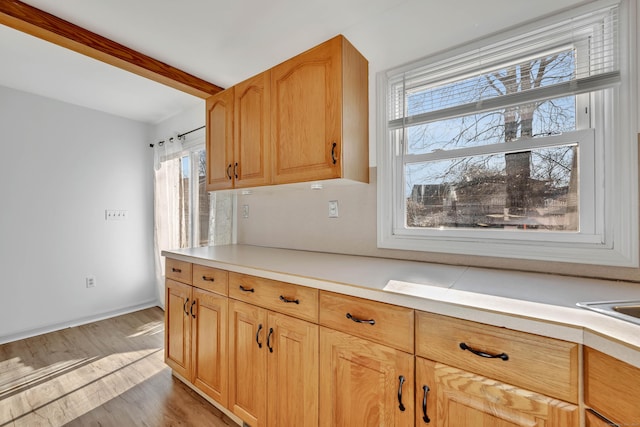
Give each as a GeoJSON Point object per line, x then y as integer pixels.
{"type": "Point", "coordinates": [176, 270]}
{"type": "Point", "coordinates": [229, 171]}
{"type": "Point", "coordinates": [425, 417]}
{"type": "Point", "coordinates": [243, 289]}
{"type": "Point", "coordinates": [502, 356]}
{"type": "Point", "coordinates": [401, 380]}
{"type": "Point", "coordinates": [333, 153]}
{"type": "Point", "coordinates": [235, 170]}
{"type": "Point", "coordinates": [269, 340]}
{"type": "Point", "coordinates": [208, 279]}
{"type": "Point", "coordinates": [191, 310]}
{"type": "Point", "coordinates": [355, 319]}
{"type": "Point", "coordinates": [283, 299]}
{"type": "Point", "coordinates": [604, 419]}
{"type": "Point", "coordinates": [184, 307]}
{"type": "Point", "coordinates": [258, 335]}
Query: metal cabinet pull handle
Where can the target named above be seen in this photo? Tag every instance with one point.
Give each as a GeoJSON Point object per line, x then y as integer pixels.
{"type": "Point", "coordinates": [229, 171]}
{"type": "Point", "coordinates": [425, 417]}
{"type": "Point", "coordinates": [283, 299]}
{"type": "Point", "coordinates": [401, 380]}
{"type": "Point", "coordinates": [235, 170]}
{"type": "Point", "coordinates": [184, 307]}
{"type": "Point", "coordinates": [243, 289]}
{"type": "Point", "coordinates": [604, 419]}
{"type": "Point", "coordinates": [208, 279]}
{"type": "Point", "coordinates": [176, 270]}
{"type": "Point", "coordinates": [269, 340]}
{"type": "Point", "coordinates": [257, 335]}
{"type": "Point", "coordinates": [191, 310]}
{"type": "Point", "coordinates": [502, 356]}
{"type": "Point", "coordinates": [333, 152]}
{"type": "Point", "coordinates": [355, 319]}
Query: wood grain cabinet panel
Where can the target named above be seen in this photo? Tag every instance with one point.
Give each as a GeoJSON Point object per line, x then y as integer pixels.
{"type": "Point", "coordinates": [196, 337]}
{"type": "Point", "coordinates": [273, 368]}
{"type": "Point", "coordinates": [457, 398]}
{"type": "Point", "coordinates": [179, 271]}
{"type": "Point", "coordinates": [386, 324]}
{"type": "Point", "coordinates": [545, 365]}
{"type": "Point", "coordinates": [319, 115]}
{"type": "Point", "coordinates": [287, 298]}
{"type": "Point", "coordinates": [211, 279]}
{"type": "Point", "coordinates": [177, 343]}
{"type": "Point", "coordinates": [209, 359]}
{"type": "Point", "coordinates": [612, 388]}
{"type": "Point", "coordinates": [251, 141]}
{"type": "Point", "coordinates": [248, 362]}
{"type": "Point", "coordinates": [219, 140]}
{"type": "Point", "coordinates": [364, 383]}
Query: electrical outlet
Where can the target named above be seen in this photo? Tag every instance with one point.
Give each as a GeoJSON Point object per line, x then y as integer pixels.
{"type": "Point", "coordinates": [333, 209]}
{"type": "Point", "coordinates": [90, 281]}
{"type": "Point", "coordinates": [245, 211]}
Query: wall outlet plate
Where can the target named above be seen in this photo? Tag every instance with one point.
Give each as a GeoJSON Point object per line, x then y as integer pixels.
{"type": "Point", "coordinates": [333, 209]}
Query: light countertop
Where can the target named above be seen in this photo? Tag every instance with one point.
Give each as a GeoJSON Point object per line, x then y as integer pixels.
{"type": "Point", "coordinates": [532, 302]}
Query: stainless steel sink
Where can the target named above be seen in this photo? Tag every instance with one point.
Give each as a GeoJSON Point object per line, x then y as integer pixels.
{"type": "Point", "coordinates": [624, 310]}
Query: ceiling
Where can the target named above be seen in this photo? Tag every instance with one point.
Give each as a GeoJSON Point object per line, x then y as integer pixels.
{"type": "Point", "coordinates": [225, 42]}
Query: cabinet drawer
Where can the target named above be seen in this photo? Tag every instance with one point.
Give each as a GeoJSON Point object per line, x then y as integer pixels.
{"type": "Point", "coordinates": [612, 387]}
{"type": "Point", "coordinates": [536, 363]}
{"type": "Point", "coordinates": [287, 298]}
{"type": "Point", "coordinates": [384, 323]}
{"type": "Point", "coordinates": [179, 271]}
{"type": "Point", "coordinates": [211, 279]}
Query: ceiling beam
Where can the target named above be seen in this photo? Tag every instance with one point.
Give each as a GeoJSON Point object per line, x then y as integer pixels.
{"type": "Point", "coordinates": [38, 23]}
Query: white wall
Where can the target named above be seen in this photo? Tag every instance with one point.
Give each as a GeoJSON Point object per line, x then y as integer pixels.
{"type": "Point", "coordinates": [62, 166]}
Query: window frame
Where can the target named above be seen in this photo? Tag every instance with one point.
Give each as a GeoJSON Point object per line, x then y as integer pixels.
{"type": "Point", "coordinates": [614, 240]}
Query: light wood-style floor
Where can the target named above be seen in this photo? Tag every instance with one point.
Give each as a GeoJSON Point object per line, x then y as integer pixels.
{"type": "Point", "coordinates": [107, 373]}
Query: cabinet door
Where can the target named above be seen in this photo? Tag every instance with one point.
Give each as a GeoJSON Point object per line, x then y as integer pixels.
{"type": "Point", "coordinates": [306, 115]}
{"type": "Point", "coordinates": [219, 147]}
{"type": "Point", "coordinates": [248, 362]}
{"type": "Point", "coordinates": [209, 344]}
{"type": "Point", "coordinates": [251, 132]}
{"type": "Point", "coordinates": [462, 399]}
{"type": "Point", "coordinates": [177, 345]}
{"type": "Point", "coordinates": [292, 372]}
{"type": "Point", "coordinates": [361, 383]}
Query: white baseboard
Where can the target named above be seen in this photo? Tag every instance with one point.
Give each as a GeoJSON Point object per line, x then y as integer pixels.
{"type": "Point", "coordinates": [77, 322]}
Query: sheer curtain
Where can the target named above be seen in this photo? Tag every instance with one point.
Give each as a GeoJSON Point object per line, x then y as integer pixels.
{"type": "Point", "coordinates": [185, 214]}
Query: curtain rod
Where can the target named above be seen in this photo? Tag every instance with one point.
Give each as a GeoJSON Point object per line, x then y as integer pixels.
{"type": "Point", "coordinates": [180, 135]}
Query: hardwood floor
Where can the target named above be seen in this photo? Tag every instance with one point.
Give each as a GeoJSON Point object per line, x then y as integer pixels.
{"type": "Point", "coordinates": [107, 373]}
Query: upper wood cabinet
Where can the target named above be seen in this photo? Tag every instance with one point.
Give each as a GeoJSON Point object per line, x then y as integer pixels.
{"type": "Point", "coordinates": [220, 141]}
{"type": "Point", "coordinates": [251, 132]}
{"type": "Point", "coordinates": [238, 135]}
{"type": "Point", "coordinates": [319, 115]}
{"type": "Point", "coordinates": [306, 119]}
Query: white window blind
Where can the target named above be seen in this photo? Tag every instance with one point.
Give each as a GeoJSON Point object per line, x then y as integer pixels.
{"type": "Point", "coordinates": [592, 38]}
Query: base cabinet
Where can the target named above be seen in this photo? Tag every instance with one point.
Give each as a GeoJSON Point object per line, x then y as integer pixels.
{"type": "Point", "coordinates": [196, 337]}
{"type": "Point", "coordinates": [273, 367]}
{"type": "Point", "coordinates": [364, 383]}
{"type": "Point", "coordinates": [612, 388]}
{"type": "Point", "coordinates": [277, 354]}
{"type": "Point", "coordinates": [451, 397]}
{"type": "Point", "coordinates": [177, 343]}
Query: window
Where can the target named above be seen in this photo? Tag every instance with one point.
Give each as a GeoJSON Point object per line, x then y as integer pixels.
{"type": "Point", "coordinates": [520, 145]}
{"type": "Point", "coordinates": [182, 202]}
